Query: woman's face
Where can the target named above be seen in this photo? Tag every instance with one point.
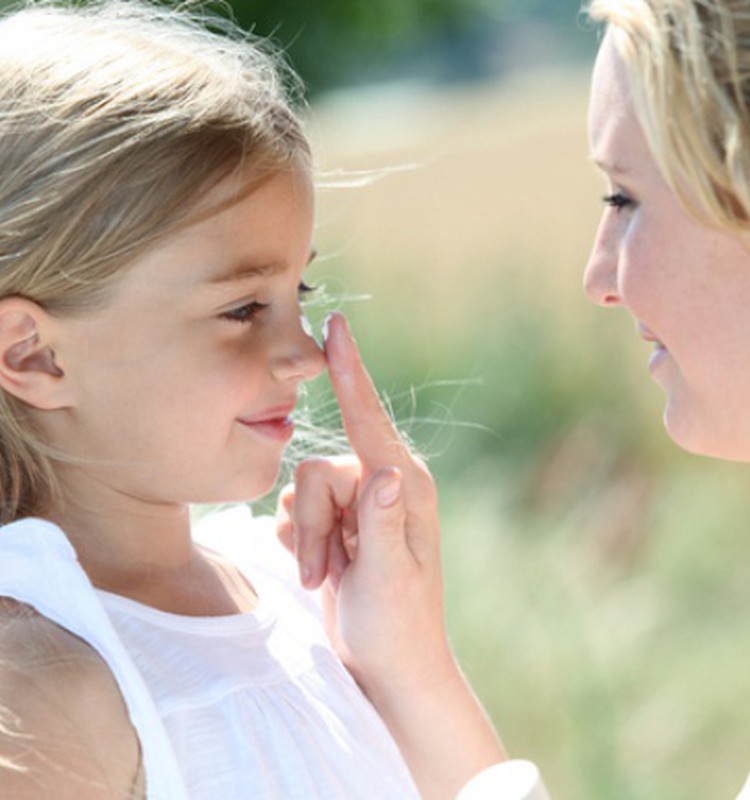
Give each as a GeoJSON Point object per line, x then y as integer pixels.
{"type": "Point", "coordinates": [686, 285]}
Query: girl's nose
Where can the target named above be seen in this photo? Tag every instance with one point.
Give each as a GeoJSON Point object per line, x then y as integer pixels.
{"type": "Point", "coordinates": [600, 277]}
{"type": "Point", "coordinates": [298, 357]}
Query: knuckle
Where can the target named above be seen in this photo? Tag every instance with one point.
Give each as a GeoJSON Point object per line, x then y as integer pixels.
{"type": "Point", "coordinates": [310, 468]}
{"type": "Point", "coordinates": [346, 461]}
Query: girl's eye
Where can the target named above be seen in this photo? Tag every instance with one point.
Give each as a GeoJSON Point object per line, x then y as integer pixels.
{"type": "Point", "coordinates": [618, 201]}
{"type": "Point", "coordinates": [248, 311]}
{"type": "Point", "coordinates": [303, 290]}
{"type": "Point", "coordinates": [245, 313]}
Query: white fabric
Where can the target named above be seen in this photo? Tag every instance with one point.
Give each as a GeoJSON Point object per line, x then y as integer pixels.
{"type": "Point", "coordinates": [251, 706]}
{"type": "Point", "coordinates": [745, 793]}
{"type": "Point", "coordinates": [511, 780]}
{"type": "Point", "coordinates": [39, 567]}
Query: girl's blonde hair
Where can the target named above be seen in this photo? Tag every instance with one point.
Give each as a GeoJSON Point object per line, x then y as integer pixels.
{"type": "Point", "coordinates": [689, 68]}
{"type": "Point", "coordinates": [116, 118]}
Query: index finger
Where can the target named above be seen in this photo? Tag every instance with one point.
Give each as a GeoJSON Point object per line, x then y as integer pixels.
{"type": "Point", "coordinates": [370, 430]}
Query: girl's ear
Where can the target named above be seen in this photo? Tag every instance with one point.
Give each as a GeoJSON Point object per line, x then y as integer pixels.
{"type": "Point", "coordinates": [28, 366]}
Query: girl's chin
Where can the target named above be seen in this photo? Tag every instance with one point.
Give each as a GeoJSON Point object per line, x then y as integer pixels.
{"type": "Point", "coordinates": [243, 492]}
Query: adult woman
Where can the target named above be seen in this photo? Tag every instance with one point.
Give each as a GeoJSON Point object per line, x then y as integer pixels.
{"type": "Point", "coordinates": [669, 126]}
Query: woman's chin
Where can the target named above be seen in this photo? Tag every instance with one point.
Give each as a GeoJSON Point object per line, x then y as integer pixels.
{"type": "Point", "coordinates": [704, 440]}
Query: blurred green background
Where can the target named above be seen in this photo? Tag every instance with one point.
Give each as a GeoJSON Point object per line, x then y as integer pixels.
{"type": "Point", "coordinates": [597, 577]}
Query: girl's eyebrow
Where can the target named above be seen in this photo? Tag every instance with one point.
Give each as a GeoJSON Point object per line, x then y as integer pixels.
{"type": "Point", "coordinates": [244, 271]}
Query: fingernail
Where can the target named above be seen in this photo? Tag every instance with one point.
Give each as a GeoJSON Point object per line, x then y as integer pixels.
{"type": "Point", "coordinates": [305, 574]}
{"type": "Point", "coordinates": [326, 322]}
{"type": "Point", "coordinates": [387, 495]}
{"type": "Point", "coordinates": [306, 326]}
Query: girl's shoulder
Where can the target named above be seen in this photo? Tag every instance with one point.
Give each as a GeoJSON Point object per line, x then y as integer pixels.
{"type": "Point", "coordinates": [64, 728]}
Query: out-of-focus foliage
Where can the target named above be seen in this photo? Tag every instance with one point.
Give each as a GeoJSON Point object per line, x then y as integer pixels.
{"type": "Point", "coordinates": [333, 42]}
{"type": "Point", "coordinates": [337, 43]}
{"type": "Point", "coordinates": [340, 42]}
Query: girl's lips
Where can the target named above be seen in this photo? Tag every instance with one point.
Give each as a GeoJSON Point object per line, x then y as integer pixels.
{"type": "Point", "coordinates": [280, 428]}
{"type": "Point", "coordinates": [275, 423]}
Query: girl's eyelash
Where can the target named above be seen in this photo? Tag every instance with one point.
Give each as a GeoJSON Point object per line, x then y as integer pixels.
{"type": "Point", "coordinates": [244, 313]}
{"type": "Point", "coordinates": [248, 311]}
{"type": "Point", "coordinates": [617, 200]}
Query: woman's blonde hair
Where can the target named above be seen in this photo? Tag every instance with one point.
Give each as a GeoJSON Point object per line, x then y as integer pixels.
{"type": "Point", "coordinates": [689, 68]}
{"type": "Point", "coordinates": [116, 118]}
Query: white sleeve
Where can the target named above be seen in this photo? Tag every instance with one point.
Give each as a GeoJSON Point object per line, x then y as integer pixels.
{"type": "Point", "coordinates": [511, 780]}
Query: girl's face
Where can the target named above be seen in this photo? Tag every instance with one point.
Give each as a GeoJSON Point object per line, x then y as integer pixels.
{"type": "Point", "coordinates": [185, 380]}
{"type": "Point", "coordinates": [687, 286]}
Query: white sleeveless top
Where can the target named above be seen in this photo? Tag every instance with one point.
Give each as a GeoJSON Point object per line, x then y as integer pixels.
{"type": "Point", "coordinates": [245, 707]}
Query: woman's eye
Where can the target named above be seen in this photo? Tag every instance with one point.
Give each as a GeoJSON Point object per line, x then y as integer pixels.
{"type": "Point", "coordinates": [244, 313]}
{"type": "Point", "coordinates": [618, 201]}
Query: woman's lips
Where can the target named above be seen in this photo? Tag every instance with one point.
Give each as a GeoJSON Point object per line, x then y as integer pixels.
{"type": "Point", "coordinates": [659, 354]}
{"type": "Point", "coordinates": [660, 351]}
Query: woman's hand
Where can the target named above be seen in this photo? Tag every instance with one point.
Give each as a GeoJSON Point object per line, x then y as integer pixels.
{"type": "Point", "coordinates": [366, 528]}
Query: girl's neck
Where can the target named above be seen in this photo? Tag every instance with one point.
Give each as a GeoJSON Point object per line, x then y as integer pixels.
{"type": "Point", "coordinates": [130, 543]}
{"type": "Point", "coordinates": [146, 553]}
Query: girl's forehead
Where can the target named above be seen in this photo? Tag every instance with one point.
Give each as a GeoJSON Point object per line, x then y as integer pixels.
{"type": "Point", "coordinates": [245, 180]}
{"type": "Point", "coordinates": [253, 235]}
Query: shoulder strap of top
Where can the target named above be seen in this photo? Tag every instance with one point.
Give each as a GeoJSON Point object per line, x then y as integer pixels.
{"type": "Point", "coordinates": [38, 566]}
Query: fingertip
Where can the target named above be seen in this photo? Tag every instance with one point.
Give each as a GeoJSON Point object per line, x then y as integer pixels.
{"type": "Point", "coordinates": [336, 336]}
{"type": "Point", "coordinates": [311, 570]}
{"type": "Point", "coordinates": [326, 329]}
{"type": "Point", "coordinates": [309, 575]}
{"type": "Point", "coordinates": [305, 574]}
{"type": "Point", "coordinates": [286, 497]}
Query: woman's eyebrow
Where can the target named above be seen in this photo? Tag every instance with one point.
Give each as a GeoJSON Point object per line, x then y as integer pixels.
{"type": "Point", "coordinates": [606, 166]}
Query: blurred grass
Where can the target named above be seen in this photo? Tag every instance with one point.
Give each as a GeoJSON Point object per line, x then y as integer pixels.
{"type": "Point", "coordinates": [596, 576]}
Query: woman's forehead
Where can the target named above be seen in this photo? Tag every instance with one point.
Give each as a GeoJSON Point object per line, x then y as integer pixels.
{"type": "Point", "coordinates": [614, 132]}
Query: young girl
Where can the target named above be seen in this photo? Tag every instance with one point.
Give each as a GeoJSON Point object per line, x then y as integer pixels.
{"type": "Point", "coordinates": [156, 217]}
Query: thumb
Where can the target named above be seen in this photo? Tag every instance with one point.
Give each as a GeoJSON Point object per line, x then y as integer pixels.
{"type": "Point", "coordinates": [382, 516]}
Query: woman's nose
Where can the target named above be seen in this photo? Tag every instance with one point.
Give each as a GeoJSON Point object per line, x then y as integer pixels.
{"type": "Point", "coordinates": [298, 356]}
{"type": "Point", "coordinates": [600, 279]}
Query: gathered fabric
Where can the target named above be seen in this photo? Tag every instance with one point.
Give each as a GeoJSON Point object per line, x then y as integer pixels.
{"type": "Point", "coordinates": [243, 706]}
